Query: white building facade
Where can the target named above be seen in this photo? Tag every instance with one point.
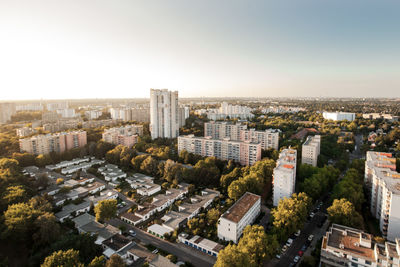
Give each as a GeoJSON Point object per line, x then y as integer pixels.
{"type": "Point", "coordinates": [164, 113]}
{"type": "Point", "coordinates": [339, 116]}
{"type": "Point", "coordinates": [311, 150]}
{"type": "Point", "coordinates": [284, 175]}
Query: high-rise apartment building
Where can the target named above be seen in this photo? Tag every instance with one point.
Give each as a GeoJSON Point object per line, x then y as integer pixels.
{"type": "Point", "coordinates": [183, 115]}
{"type": "Point", "coordinates": [131, 114]}
{"type": "Point", "coordinates": [345, 246]}
{"type": "Point", "coordinates": [383, 185]}
{"type": "Point", "coordinates": [57, 105]}
{"type": "Point", "coordinates": [59, 142]}
{"type": "Point", "coordinates": [164, 113]}
{"type": "Point", "coordinates": [310, 150]}
{"type": "Point", "coordinates": [50, 116]}
{"type": "Point", "coordinates": [125, 135]}
{"type": "Point", "coordinates": [339, 116]}
{"type": "Point", "coordinates": [232, 223]}
{"type": "Point", "coordinates": [66, 112]}
{"type": "Point", "coordinates": [284, 176]}
{"type": "Point", "coordinates": [6, 111]}
{"type": "Point", "coordinates": [238, 132]}
{"type": "Point", "coordinates": [246, 153]}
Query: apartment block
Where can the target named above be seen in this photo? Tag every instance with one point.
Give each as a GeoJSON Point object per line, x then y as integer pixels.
{"type": "Point", "coordinates": [6, 111]}
{"type": "Point", "coordinates": [383, 185]}
{"type": "Point", "coordinates": [246, 153]}
{"type": "Point", "coordinates": [59, 142]}
{"type": "Point", "coordinates": [377, 116]}
{"type": "Point", "coordinates": [284, 175]}
{"type": "Point", "coordinates": [66, 112]}
{"type": "Point", "coordinates": [184, 112]}
{"type": "Point", "coordinates": [125, 135]}
{"type": "Point", "coordinates": [232, 223]}
{"type": "Point", "coordinates": [339, 116]}
{"type": "Point", "coordinates": [164, 114]}
{"type": "Point", "coordinates": [345, 246]}
{"type": "Point", "coordinates": [310, 150]}
{"type": "Point", "coordinates": [93, 114]}
{"type": "Point", "coordinates": [238, 132]}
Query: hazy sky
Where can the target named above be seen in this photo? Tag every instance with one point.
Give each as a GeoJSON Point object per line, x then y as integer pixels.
{"type": "Point", "coordinates": [95, 49]}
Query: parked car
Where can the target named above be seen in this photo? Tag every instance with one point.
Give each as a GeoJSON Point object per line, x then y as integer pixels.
{"type": "Point", "coordinates": [312, 215]}
{"type": "Point", "coordinates": [300, 253]}
{"type": "Point", "coordinates": [304, 248]}
{"type": "Point", "coordinates": [132, 233]}
{"type": "Point", "coordinates": [289, 242]}
{"type": "Point", "coordinates": [278, 256]}
{"type": "Point", "coordinates": [296, 259]}
{"type": "Point", "coordinates": [310, 237]}
{"type": "Point", "coordinates": [155, 251]}
{"type": "Point", "coordinates": [284, 248]}
{"type": "Point", "coordinates": [297, 233]}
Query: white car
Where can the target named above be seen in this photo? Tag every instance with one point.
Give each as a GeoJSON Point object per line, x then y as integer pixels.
{"type": "Point", "coordinates": [310, 237]}
{"type": "Point", "coordinates": [278, 256]}
{"type": "Point", "coordinates": [297, 233]}
{"type": "Point", "coordinates": [284, 248]}
{"type": "Point", "coordinates": [312, 214]}
{"type": "Point", "coordinates": [289, 242]}
{"type": "Point", "coordinates": [296, 259]}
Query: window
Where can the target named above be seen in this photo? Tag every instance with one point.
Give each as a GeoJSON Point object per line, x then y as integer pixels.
{"type": "Point", "coordinates": [354, 264]}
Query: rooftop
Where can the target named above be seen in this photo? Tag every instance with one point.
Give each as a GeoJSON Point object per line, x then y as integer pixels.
{"type": "Point", "coordinates": [240, 208]}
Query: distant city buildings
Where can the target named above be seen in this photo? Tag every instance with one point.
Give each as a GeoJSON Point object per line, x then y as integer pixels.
{"type": "Point", "coordinates": [6, 111]}
{"type": "Point", "coordinates": [232, 223]}
{"type": "Point", "coordinates": [281, 109]}
{"type": "Point", "coordinates": [124, 135]}
{"type": "Point", "coordinates": [227, 110]}
{"type": "Point", "coordinates": [310, 150]}
{"type": "Point", "coordinates": [238, 132]}
{"type": "Point", "coordinates": [339, 116]}
{"type": "Point", "coordinates": [59, 142]}
{"type": "Point", "coordinates": [184, 113]}
{"type": "Point", "coordinates": [25, 131]}
{"type": "Point", "coordinates": [57, 105]}
{"type": "Point", "coordinates": [345, 246]}
{"type": "Point", "coordinates": [66, 112]}
{"type": "Point", "coordinates": [284, 175]}
{"type": "Point", "coordinates": [50, 116]}
{"type": "Point", "coordinates": [246, 153]}
{"type": "Point", "coordinates": [383, 186]}
{"type": "Point", "coordinates": [375, 116]}
{"type": "Point", "coordinates": [93, 114]}
{"type": "Point", "coordinates": [164, 113]}
{"type": "Point", "coordinates": [30, 107]}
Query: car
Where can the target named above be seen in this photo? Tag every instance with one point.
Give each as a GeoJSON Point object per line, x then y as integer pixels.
{"type": "Point", "coordinates": [304, 248]}
{"type": "Point", "coordinates": [300, 253]}
{"type": "Point", "coordinates": [312, 215]}
{"type": "Point", "coordinates": [297, 233]}
{"type": "Point", "coordinates": [296, 259]}
{"type": "Point", "coordinates": [289, 242]}
{"type": "Point", "coordinates": [310, 237]}
{"type": "Point", "coordinates": [132, 233]}
{"type": "Point", "coordinates": [284, 248]}
{"type": "Point", "coordinates": [278, 256]}
{"type": "Point", "coordinates": [155, 251]}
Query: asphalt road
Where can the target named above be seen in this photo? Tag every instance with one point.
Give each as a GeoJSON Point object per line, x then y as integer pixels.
{"type": "Point", "coordinates": [183, 252]}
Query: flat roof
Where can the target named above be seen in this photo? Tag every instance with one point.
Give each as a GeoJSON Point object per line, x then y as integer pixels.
{"type": "Point", "coordinates": [241, 207]}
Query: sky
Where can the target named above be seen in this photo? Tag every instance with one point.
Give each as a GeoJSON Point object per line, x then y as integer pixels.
{"type": "Point", "coordinates": [210, 48]}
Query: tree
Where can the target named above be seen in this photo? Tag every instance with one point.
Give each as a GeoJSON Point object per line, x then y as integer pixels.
{"type": "Point", "coordinates": [105, 209]}
{"type": "Point", "coordinates": [213, 216]}
{"type": "Point", "coordinates": [137, 161]}
{"type": "Point", "coordinates": [69, 258]}
{"type": "Point", "coordinates": [253, 244]}
{"type": "Point", "coordinates": [149, 166]}
{"type": "Point", "coordinates": [115, 261]}
{"type": "Point", "coordinates": [97, 262]}
{"type": "Point", "coordinates": [24, 159]}
{"type": "Point", "coordinates": [227, 179]}
{"type": "Point", "coordinates": [48, 228]}
{"type": "Point", "coordinates": [231, 256]}
{"type": "Point", "coordinates": [19, 219]}
{"type": "Point", "coordinates": [43, 160]}
{"type": "Point", "coordinates": [343, 212]}
{"type": "Point", "coordinates": [14, 194]}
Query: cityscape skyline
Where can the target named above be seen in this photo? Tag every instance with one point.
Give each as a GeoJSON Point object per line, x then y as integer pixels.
{"type": "Point", "coordinates": [266, 48]}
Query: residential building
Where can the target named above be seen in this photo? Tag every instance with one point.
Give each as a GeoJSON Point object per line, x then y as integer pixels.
{"type": "Point", "coordinates": [164, 114]}
{"type": "Point", "coordinates": [284, 175]}
{"type": "Point", "coordinates": [50, 116]}
{"type": "Point", "coordinates": [339, 116]}
{"type": "Point", "coordinates": [200, 243]}
{"type": "Point", "coordinates": [6, 111]}
{"type": "Point", "coordinates": [25, 131]}
{"type": "Point", "coordinates": [140, 114]}
{"type": "Point", "coordinates": [383, 186]}
{"type": "Point", "coordinates": [93, 114]}
{"type": "Point", "coordinates": [232, 223]}
{"type": "Point", "coordinates": [239, 132]}
{"type": "Point", "coordinates": [66, 113]}
{"type": "Point", "coordinates": [30, 107]}
{"type": "Point", "coordinates": [184, 112]}
{"type": "Point", "coordinates": [246, 153]}
{"type": "Point", "coordinates": [143, 184]}
{"type": "Point", "coordinates": [111, 172]}
{"type": "Point", "coordinates": [59, 142]}
{"type": "Point", "coordinates": [124, 135]}
{"type": "Point", "coordinates": [376, 116]}
{"type": "Point", "coordinates": [310, 150]}
{"type": "Point", "coordinates": [345, 246]}
{"type": "Point", "coordinates": [57, 105]}
{"type": "Point", "coordinates": [72, 210]}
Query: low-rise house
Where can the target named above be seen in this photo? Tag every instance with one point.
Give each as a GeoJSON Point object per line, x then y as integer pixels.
{"type": "Point", "coordinates": [117, 244]}
{"type": "Point", "coordinates": [51, 190]}
{"type": "Point", "coordinates": [158, 230]}
{"type": "Point", "coordinates": [111, 172]}
{"type": "Point", "coordinates": [104, 195]}
{"type": "Point", "coordinates": [197, 242]}
{"type": "Point", "coordinates": [95, 187]}
{"type": "Point", "coordinates": [72, 210]}
{"type": "Point", "coordinates": [143, 184]}
{"type": "Point", "coordinates": [138, 255]}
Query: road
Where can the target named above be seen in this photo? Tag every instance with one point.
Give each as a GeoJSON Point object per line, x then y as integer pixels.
{"type": "Point", "coordinates": [183, 252]}
{"type": "Point", "coordinates": [357, 154]}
